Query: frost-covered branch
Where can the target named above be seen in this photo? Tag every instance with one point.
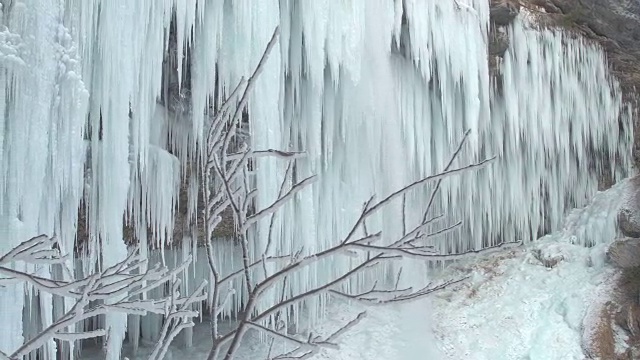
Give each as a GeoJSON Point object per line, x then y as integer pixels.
{"type": "Point", "coordinates": [122, 281]}
{"type": "Point", "coordinates": [314, 343]}
{"type": "Point", "coordinates": [374, 253]}
{"type": "Point", "coordinates": [226, 185]}
{"type": "Point", "coordinates": [178, 317]}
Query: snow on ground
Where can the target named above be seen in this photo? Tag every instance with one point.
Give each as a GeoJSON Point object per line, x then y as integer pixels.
{"type": "Point", "coordinates": [538, 301]}
{"type": "Point", "coordinates": [513, 307]}
{"type": "Point", "coordinates": [387, 333]}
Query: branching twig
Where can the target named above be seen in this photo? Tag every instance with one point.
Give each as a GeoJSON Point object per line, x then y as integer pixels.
{"type": "Point", "coordinates": [226, 185]}
{"type": "Point", "coordinates": [120, 281]}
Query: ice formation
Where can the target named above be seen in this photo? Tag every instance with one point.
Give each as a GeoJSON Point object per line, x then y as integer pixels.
{"type": "Point", "coordinates": [376, 92]}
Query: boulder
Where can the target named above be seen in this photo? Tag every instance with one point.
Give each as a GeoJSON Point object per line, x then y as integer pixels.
{"type": "Point", "coordinates": [625, 253]}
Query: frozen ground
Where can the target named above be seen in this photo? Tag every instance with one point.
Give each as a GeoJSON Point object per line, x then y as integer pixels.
{"type": "Point", "coordinates": [394, 333]}
{"type": "Point", "coordinates": [514, 307]}
{"type": "Point", "coordinates": [531, 302]}
{"type": "Point", "coordinates": [524, 303]}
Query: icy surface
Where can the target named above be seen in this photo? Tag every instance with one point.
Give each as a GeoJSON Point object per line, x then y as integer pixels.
{"type": "Point", "coordinates": [376, 93]}
{"type": "Point", "coordinates": [537, 302]}
{"type": "Point", "coordinates": [514, 307]}
{"type": "Point", "coordinates": [382, 335]}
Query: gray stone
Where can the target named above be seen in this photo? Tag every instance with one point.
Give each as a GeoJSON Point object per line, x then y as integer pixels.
{"type": "Point", "coordinates": [504, 11]}
{"type": "Point", "coordinates": [627, 225]}
{"type": "Point", "coordinates": [547, 260]}
{"type": "Point", "coordinates": [629, 214]}
{"type": "Point", "coordinates": [625, 253]}
{"type": "Point", "coordinates": [498, 41]}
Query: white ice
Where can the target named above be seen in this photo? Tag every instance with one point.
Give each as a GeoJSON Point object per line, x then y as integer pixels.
{"type": "Point", "coordinates": [377, 93]}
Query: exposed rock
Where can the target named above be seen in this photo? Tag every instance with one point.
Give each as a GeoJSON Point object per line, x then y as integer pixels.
{"type": "Point", "coordinates": [503, 12]}
{"type": "Point", "coordinates": [599, 336]}
{"type": "Point", "coordinates": [498, 41]}
{"type": "Point", "coordinates": [627, 224]}
{"type": "Point", "coordinates": [625, 253]}
{"type": "Point", "coordinates": [547, 5]}
{"type": "Point", "coordinates": [614, 315]}
{"type": "Point", "coordinates": [629, 215]}
{"type": "Point", "coordinates": [628, 318]}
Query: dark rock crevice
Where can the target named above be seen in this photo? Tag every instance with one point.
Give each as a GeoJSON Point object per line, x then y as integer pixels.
{"type": "Point", "coordinates": [503, 12]}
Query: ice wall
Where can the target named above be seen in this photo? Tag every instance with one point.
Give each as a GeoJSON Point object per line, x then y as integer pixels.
{"type": "Point", "coordinates": [43, 109]}
{"type": "Point", "coordinates": [377, 92]}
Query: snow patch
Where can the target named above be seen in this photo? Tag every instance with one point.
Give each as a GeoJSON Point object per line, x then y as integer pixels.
{"type": "Point", "coordinates": [525, 310]}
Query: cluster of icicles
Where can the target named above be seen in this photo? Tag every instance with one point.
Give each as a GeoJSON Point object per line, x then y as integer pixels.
{"type": "Point", "coordinates": [376, 92]}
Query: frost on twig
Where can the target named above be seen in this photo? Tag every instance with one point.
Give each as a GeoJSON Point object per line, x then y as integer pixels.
{"type": "Point", "coordinates": [123, 281]}
{"type": "Point", "coordinates": [231, 190]}
{"type": "Point", "coordinates": [305, 348]}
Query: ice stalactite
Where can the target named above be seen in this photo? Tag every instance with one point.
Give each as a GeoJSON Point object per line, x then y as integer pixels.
{"type": "Point", "coordinates": [376, 92]}
{"type": "Point", "coordinates": [43, 105]}
{"type": "Point", "coordinates": [559, 124]}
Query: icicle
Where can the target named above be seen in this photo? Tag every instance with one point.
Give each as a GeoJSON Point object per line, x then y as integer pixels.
{"type": "Point", "coordinates": [376, 92]}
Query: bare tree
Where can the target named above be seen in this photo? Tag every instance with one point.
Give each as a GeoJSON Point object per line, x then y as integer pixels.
{"type": "Point", "coordinates": [123, 282]}
{"type": "Point", "coordinates": [225, 184]}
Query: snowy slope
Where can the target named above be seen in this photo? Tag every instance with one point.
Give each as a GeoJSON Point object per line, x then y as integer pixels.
{"type": "Point", "coordinates": [533, 302]}
{"type": "Point", "coordinates": [516, 308]}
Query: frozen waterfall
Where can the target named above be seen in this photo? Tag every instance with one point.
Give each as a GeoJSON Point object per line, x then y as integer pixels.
{"type": "Point", "coordinates": [99, 115]}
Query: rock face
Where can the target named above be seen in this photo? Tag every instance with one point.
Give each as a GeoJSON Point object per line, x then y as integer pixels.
{"type": "Point", "coordinates": [625, 253]}
{"type": "Point", "coordinates": [629, 215]}
{"type": "Point", "coordinates": [502, 14]}
{"type": "Point", "coordinates": [498, 42]}
{"type": "Point", "coordinates": [504, 11]}
{"type": "Point", "coordinates": [628, 225]}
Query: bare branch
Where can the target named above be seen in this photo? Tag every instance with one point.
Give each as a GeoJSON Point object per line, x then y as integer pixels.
{"type": "Point", "coordinates": [121, 280]}
{"type": "Point", "coordinates": [446, 168]}
{"type": "Point", "coordinates": [311, 347]}
{"type": "Point", "coordinates": [281, 193]}
{"type": "Point", "coordinates": [278, 203]}
{"type": "Point", "coordinates": [177, 318]}
{"type": "Point", "coordinates": [428, 179]}
{"type": "Point", "coordinates": [270, 153]}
